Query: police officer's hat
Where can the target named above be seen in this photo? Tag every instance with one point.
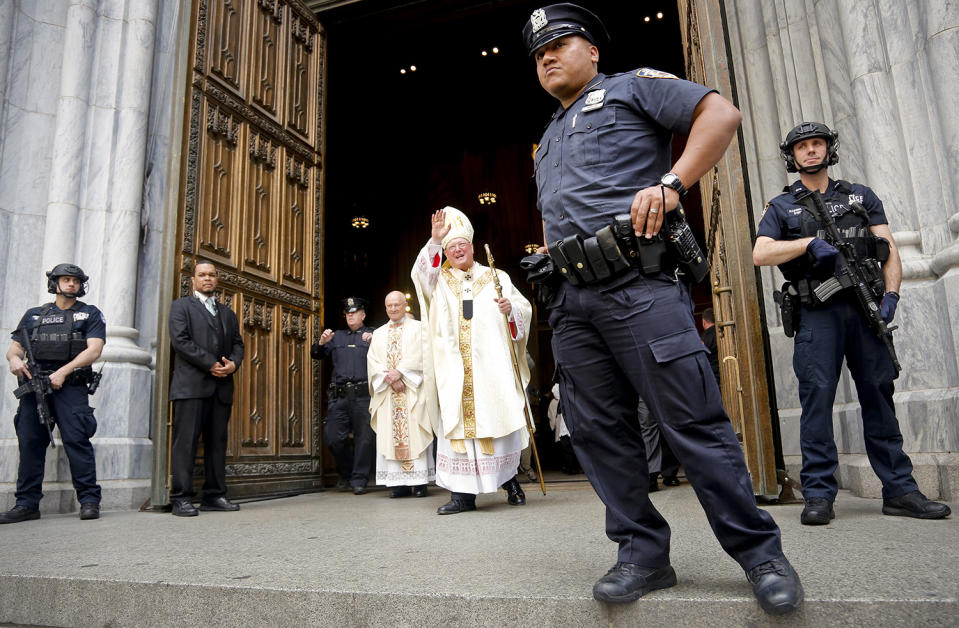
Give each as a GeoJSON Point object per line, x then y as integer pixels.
{"type": "Point", "coordinates": [352, 304]}
{"type": "Point", "coordinates": [804, 131]}
{"type": "Point", "coordinates": [559, 20]}
{"type": "Point", "coordinates": [66, 270]}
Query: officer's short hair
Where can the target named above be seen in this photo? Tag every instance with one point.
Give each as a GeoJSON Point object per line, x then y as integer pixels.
{"type": "Point", "coordinates": [708, 315]}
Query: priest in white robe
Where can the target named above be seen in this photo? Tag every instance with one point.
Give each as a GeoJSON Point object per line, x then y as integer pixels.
{"type": "Point", "coordinates": [482, 429]}
{"type": "Point", "coordinates": [402, 402]}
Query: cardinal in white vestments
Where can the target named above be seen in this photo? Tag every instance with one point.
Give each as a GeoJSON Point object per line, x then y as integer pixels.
{"type": "Point", "coordinates": [482, 430]}
{"type": "Point", "coordinates": [402, 402]}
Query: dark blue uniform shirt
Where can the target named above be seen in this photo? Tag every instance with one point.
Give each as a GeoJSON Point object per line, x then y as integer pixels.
{"type": "Point", "coordinates": [609, 144]}
{"type": "Point", "coordinates": [349, 354]}
{"type": "Point", "coordinates": [781, 219]}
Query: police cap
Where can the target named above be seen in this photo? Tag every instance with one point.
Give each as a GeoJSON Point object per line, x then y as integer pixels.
{"type": "Point", "coordinates": [352, 304]}
{"type": "Point", "coordinates": [558, 20]}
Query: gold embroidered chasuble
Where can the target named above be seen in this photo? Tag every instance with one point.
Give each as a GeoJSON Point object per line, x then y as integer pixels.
{"type": "Point", "coordinates": [478, 393]}
{"type": "Point", "coordinates": [402, 420]}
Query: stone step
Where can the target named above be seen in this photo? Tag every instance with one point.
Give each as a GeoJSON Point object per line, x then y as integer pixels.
{"type": "Point", "coordinates": [345, 560]}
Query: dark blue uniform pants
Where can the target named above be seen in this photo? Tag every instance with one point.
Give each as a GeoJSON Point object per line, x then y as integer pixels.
{"type": "Point", "coordinates": [825, 335]}
{"type": "Point", "coordinates": [77, 425]}
{"type": "Point", "coordinates": [351, 413]}
{"type": "Point", "coordinates": [636, 335]}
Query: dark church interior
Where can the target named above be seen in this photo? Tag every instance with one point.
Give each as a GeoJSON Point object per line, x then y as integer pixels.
{"type": "Point", "coordinates": [435, 103]}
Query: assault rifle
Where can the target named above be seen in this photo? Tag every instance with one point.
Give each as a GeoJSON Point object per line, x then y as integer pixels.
{"type": "Point", "coordinates": [37, 384]}
{"type": "Point", "coordinates": [853, 272]}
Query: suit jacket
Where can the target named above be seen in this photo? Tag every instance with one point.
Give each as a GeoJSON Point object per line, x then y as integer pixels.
{"type": "Point", "coordinates": [195, 335]}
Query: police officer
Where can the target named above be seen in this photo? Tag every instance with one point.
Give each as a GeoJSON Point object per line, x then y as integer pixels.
{"type": "Point", "coordinates": [349, 405]}
{"type": "Point", "coordinates": [66, 336]}
{"type": "Point", "coordinates": [607, 152]}
{"type": "Point", "coordinates": [788, 236]}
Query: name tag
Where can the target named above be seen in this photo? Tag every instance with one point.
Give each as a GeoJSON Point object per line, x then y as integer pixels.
{"type": "Point", "coordinates": [52, 319]}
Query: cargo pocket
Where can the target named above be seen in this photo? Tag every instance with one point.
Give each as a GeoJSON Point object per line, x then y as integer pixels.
{"type": "Point", "coordinates": [85, 421]}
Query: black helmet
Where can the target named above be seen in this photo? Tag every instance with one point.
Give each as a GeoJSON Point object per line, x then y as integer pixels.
{"type": "Point", "coordinates": [806, 130]}
{"type": "Point", "coordinates": [66, 270]}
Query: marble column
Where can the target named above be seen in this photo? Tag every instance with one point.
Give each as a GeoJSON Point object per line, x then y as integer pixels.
{"type": "Point", "coordinates": [63, 205]}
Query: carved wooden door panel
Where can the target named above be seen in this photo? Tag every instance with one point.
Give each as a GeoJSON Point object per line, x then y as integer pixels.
{"type": "Point", "coordinates": [252, 203]}
{"type": "Point", "coordinates": [729, 240]}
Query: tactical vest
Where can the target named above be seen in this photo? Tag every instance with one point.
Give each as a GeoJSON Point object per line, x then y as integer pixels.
{"type": "Point", "coordinates": [853, 225]}
{"type": "Point", "coordinates": [54, 338]}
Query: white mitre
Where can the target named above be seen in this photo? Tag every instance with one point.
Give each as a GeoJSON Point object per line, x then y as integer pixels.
{"type": "Point", "coordinates": [460, 226]}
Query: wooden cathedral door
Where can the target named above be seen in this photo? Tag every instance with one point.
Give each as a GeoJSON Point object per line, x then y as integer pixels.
{"type": "Point", "coordinates": [252, 203]}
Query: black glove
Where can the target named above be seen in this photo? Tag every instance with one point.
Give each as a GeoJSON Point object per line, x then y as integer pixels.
{"type": "Point", "coordinates": [887, 309]}
{"type": "Point", "coordinates": [823, 254]}
{"type": "Point", "coordinates": [538, 266]}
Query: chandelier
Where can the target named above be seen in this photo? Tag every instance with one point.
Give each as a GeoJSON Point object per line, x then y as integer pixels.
{"type": "Point", "coordinates": [360, 222]}
{"type": "Point", "coordinates": [486, 198]}
{"type": "Point", "coordinates": [530, 248]}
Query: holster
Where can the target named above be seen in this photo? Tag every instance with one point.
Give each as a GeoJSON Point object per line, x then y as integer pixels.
{"type": "Point", "coordinates": [789, 307]}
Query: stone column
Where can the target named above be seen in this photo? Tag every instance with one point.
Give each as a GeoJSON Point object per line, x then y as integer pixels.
{"type": "Point", "coordinates": [63, 204]}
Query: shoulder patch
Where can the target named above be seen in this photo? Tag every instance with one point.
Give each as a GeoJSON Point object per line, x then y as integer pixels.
{"type": "Point", "coordinates": [765, 209]}
{"type": "Point", "coordinates": [651, 73]}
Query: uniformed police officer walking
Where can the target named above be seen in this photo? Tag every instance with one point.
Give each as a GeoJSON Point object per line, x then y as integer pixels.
{"type": "Point", "coordinates": [618, 332]}
{"type": "Point", "coordinates": [66, 336]}
{"type": "Point", "coordinates": [789, 235]}
{"type": "Point", "coordinates": [349, 397]}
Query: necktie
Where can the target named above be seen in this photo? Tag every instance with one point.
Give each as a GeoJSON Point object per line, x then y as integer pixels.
{"type": "Point", "coordinates": [211, 305]}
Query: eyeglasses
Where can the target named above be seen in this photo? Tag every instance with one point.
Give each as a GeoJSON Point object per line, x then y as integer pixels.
{"type": "Point", "coordinates": [459, 247]}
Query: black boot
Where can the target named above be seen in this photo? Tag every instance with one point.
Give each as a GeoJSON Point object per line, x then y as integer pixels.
{"type": "Point", "coordinates": [459, 502]}
{"type": "Point", "coordinates": [514, 493]}
{"type": "Point", "coordinates": [914, 504]}
{"type": "Point", "coordinates": [400, 491]}
{"type": "Point", "coordinates": [776, 586]}
{"type": "Point", "coordinates": [18, 514]}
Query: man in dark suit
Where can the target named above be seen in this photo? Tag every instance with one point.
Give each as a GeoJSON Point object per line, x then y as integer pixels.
{"type": "Point", "coordinates": [208, 346]}
{"type": "Point", "coordinates": [709, 339]}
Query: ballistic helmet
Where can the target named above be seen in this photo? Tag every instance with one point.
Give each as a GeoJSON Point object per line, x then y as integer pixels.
{"type": "Point", "coordinates": [66, 270]}
{"type": "Point", "coordinates": [806, 130]}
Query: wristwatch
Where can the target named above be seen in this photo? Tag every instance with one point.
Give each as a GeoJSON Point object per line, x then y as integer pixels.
{"type": "Point", "coordinates": [670, 180]}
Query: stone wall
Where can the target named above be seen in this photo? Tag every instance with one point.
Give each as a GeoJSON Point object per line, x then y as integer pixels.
{"type": "Point", "coordinates": [76, 80]}
{"type": "Point", "coordinates": [884, 75]}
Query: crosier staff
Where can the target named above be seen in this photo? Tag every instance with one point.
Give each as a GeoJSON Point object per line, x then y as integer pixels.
{"type": "Point", "coordinates": [519, 379]}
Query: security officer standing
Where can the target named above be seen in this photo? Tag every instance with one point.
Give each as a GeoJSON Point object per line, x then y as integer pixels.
{"type": "Point", "coordinates": [349, 403]}
{"type": "Point", "coordinates": [829, 330]}
{"type": "Point", "coordinates": [66, 336]}
{"type": "Point", "coordinates": [606, 152]}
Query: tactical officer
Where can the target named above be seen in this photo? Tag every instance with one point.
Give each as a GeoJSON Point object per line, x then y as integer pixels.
{"type": "Point", "coordinates": [66, 336]}
{"type": "Point", "coordinates": [790, 236]}
{"type": "Point", "coordinates": [619, 333]}
{"type": "Point", "coordinates": [349, 405]}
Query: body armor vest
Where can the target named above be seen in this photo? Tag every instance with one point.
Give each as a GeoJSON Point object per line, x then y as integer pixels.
{"type": "Point", "coordinates": [54, 338]}
{"type": "Point", "coordinates": [853, 225]}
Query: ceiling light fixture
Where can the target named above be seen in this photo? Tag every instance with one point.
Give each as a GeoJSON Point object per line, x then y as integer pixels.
{"type": "Point", "coordinates": [486, 198]}
{"type": "Point", "coordinates": [360, 222]}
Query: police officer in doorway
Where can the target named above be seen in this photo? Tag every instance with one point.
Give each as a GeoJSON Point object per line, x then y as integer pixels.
{"type": "Point", "coordinates": [349, 397]}
{"type": "Point", "coordinates": [791, 236]}
{"type": "Point", "coordinates": [623, 330]}
{"type": "Point", "coordinates": [66, 336]}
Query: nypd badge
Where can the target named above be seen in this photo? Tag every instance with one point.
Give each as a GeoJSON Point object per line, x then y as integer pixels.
{"type": "Point", "coordinates": [81, 316]}
{"type": "Point", "coordinates": [538, 20]}
{"type": "Point", "coordinates": [594, 100]}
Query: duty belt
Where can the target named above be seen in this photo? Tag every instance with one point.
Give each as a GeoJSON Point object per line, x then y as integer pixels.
{"type": "Point", "coordinates": [337, 390]}
{"type": "Point", "coordinates": [614, 249]}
